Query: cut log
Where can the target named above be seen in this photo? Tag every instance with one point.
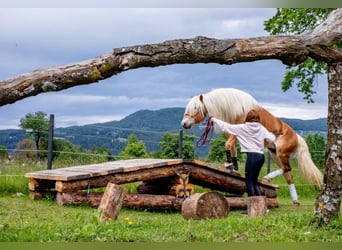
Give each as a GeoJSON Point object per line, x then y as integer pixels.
{"type": "Point", "coordinates": [111, 202]}
{"type": "Point", "coordinates": [36, 195]}
{"type": "Point", "coordinates": [205, 206]}
{"type": "Point", "coordinates": [256, 206]}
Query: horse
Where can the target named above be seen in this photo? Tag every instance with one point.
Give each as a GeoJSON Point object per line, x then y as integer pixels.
{"type": "Point", "coordinates": [232, 105]}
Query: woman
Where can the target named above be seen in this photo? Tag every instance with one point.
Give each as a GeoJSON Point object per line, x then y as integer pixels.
{"type": "Point", "coordinates": [251, 136]}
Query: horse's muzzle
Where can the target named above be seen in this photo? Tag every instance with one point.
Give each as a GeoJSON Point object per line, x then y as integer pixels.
{"type": "Point", "coordinates": [186, 124]}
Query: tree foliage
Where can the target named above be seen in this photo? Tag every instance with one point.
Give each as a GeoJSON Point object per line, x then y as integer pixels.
{"type": "Point", "coordinates": [134, 148]}
{"type": "Point", "coordinates": [297, 21]}
{"type": "Point", "coordinates": [170, 144]}
{"type": "Point", "coordinates": [217, 152]}
{"type": "Point", "coordinates": [317, 145]}
{"type": "Point", "coordinates": [36, 125]}
{"type": "Point", "coordinates": [3, 152]}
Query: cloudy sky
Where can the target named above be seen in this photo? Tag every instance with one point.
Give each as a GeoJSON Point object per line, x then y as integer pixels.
{"type": "Point", "coordinates": [33, 38]}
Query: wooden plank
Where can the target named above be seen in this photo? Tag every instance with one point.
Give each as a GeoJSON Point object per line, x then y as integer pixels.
{"type": "Point", "coordinates": [117, 178]}
{"type": "Point", "coordinates": [80, 172]}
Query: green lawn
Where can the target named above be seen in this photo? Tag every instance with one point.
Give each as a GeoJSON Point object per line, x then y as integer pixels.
{"type": "Point", "coordinates": [22, 220]}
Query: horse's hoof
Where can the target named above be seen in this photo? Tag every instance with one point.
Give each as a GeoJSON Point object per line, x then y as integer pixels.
{"type": "Point", "coordinates": [296, 203]}
{"type": "Point", "coordinates": [266, 180]}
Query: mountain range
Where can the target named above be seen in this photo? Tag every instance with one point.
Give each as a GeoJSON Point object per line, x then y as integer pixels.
{"type": "Point", "coordinates": [149, 126]}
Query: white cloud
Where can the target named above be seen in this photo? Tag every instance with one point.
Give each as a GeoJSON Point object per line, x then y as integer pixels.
{"type": "Point", "coordinates": [302, 111]}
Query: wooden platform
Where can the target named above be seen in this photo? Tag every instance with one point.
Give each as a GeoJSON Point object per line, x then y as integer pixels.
{"type": "Point", "coordinates": [73, 179]}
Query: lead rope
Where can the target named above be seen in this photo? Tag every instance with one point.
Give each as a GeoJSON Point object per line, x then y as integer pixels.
{"type": "Point", "coordinates": [208, 131]}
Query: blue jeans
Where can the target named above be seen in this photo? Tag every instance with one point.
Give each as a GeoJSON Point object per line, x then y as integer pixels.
{"type": "Point", "coordinates": [253, 166]}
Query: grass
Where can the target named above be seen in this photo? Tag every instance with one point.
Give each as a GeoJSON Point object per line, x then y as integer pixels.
{"type": "Point", "coordinates": [24, 220]}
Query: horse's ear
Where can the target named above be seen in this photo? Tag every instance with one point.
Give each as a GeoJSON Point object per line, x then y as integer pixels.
{"type": "Point", "coordinates": [201, 98]}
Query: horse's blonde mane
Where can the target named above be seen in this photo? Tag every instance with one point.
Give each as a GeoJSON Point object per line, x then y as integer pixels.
{"type": "Point", "coordinates": [226, 104]}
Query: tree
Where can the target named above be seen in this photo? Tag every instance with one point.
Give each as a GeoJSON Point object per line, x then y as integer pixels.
{"type": "Point", "coordinates": [36, 126]}
{"type": "Point", "coordinates": [320, 44]}
{"type": "Point", "coordinates": [3, 152]}
{"type": "Point", "coordinates": [170, 144]}
{"type": "Point", "coordinates": [134, 148]}
{"type": "Point", "coordinates": [317, 145]}
{"type": "Point", "coordinates": [25, 150]}
{"type": "Point", "coordinates": [297, 21]}
{"type": "Point", "coordinates": [217, 152]}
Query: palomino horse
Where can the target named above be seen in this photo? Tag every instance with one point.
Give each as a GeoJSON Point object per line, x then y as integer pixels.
{"type": "Point", "coordinates": [232, 105]}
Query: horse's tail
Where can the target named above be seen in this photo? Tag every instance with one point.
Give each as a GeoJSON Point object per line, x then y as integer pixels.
{"type": "Point", "coordinates": [307, 168]}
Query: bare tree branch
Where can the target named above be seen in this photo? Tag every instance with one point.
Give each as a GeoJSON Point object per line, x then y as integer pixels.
{"type": "Point", "coordinates": [291, 50]}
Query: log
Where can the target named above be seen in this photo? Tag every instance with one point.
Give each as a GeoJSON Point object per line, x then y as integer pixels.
{"type": "Point", "coordinates": [111, 202]}
{"type": "Point", "coordinates": [226, 182]}
{"type": "Point", "coordinates": [205, 206]}
{"type": "Point", "coordinates": [92, 199]}
{"type": "Point", "coordinates": [146, 201]}
{"type": "Point", "coordinates": [136, 201]}
{"type": "Point", "coordinates": [36, 195]}
{"type": "Point", "coordinates": [153, 202]}
{"type": "Point", "coordinates": [241, 202]}
{"type": "Point", "coordinates": [117, 178]}
{"type": "Point", "coordinates": [256, 206]}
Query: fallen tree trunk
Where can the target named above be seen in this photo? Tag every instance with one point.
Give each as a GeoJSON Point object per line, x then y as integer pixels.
{"type": "Point", "coordinates": [147, 201]}
{"type": "Point", "coordinates": [137, 201]}
{"type": "Point", "coordinates": [291, 50]}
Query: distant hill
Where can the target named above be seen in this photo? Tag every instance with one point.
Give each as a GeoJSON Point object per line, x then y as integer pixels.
{"type": "Point", "coordinates": [149, 126]}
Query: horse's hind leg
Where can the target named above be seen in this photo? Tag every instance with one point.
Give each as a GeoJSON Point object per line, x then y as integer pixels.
{"type": "Point", "coordinates": [282, 160]}
{"type": "Point", "coordinates": [292, 188]}
{"type": "Point", "coordinates": [231, 154]}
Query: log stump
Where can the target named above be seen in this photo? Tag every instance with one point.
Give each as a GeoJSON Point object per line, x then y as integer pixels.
{"type": "Point", "coordinates": [256, 206]}
{"type": "Point", "coordinates": [205, 206]}
{"type": "Point", "coordinates": [111, 202]}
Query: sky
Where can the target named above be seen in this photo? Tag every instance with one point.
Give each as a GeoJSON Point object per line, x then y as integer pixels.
{"type": "Point", "coordinates": [35, 38]}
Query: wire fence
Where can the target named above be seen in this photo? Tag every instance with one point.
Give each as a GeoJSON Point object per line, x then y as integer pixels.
{"type": "Point", "coordinates": [88, 153]}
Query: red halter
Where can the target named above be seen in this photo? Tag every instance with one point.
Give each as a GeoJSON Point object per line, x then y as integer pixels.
{"type": "Point", "coordinates": [208, 130]}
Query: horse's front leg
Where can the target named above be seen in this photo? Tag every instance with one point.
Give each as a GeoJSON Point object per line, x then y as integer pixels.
{"type": "Point", "coordinates": [231, 154]}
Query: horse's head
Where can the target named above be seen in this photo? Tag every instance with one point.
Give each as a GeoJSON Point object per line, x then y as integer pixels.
{"type": "Point", "coordinates": [195, 112]}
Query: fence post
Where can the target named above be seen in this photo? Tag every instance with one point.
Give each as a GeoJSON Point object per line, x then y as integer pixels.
{"type": "Point", "coordinates": [180, 144]}
{"type": "Point", "coordinates": [50, 143]}
{"type": "Point", "coordinates": [268, 162]}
